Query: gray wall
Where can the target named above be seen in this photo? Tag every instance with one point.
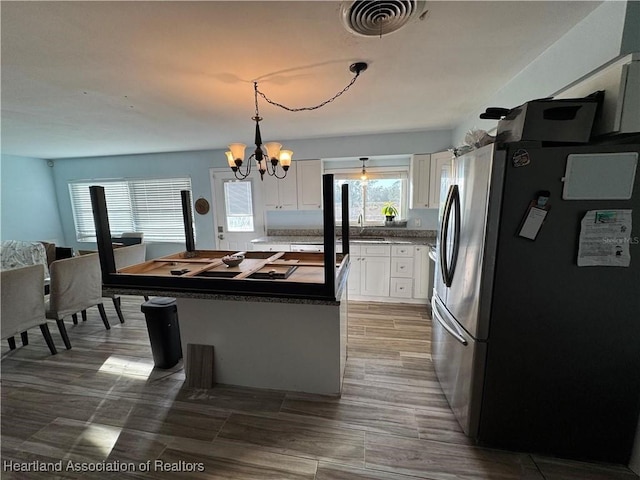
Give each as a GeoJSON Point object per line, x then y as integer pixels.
{"type": "Point", "coordinates": [196, 165]}
{"type": "Point", "coordinates": [28, 201]}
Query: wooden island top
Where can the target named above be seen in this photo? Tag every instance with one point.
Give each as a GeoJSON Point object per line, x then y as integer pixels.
{"type": "Point", "coordinates": [305, 277]}
{"type": "Point", "coordinates": [280, 276]}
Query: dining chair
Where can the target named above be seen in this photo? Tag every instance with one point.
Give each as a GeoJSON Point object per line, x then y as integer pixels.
{"type": "Point", "coordinates": [76, 284]}
{"type": "Point", "coordinates": [22, 305]}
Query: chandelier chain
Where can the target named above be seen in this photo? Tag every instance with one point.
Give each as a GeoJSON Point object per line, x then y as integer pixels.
{"type": "Point", "coordinates": [315, 107]}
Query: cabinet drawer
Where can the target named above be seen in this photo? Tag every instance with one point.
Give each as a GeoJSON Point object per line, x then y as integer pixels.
{"type": "Point", "coordinates": [271, 247]}
{"type": "Point", "coordinates": [402, 250]}
{"type": "Point", "coordinates": [402, 267]}
{"type": "Point", "coordinates": [375, 250]}
{"type": "Point", "coordinates": [401, 287]}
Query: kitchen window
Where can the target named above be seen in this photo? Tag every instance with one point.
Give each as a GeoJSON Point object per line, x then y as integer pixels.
{"type": "Point", "coordinates": [366, 198]}
{"type": "Point", "coordinates": [150, 206]}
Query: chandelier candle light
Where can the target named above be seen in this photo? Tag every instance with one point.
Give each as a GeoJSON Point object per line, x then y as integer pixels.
{"type": "Point", "coordinates": [269, 156]}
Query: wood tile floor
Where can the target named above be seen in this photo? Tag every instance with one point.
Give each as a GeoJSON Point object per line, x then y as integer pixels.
{"type": "Point", "coordinates": [102, 405]}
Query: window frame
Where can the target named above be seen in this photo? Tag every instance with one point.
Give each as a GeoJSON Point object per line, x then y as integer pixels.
{"type": "Point", "coordinates": [352, 173]}
{"type": "Point", "coordinates": [139, 194]}
{"type": "Point", "coordinates": [250, 184]}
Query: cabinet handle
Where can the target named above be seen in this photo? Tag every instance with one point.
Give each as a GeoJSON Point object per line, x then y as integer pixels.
{"type": "Point", "coordinates": [401, 267]}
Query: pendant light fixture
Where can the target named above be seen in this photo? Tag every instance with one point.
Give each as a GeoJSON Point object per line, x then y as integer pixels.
{"type": "Point", "coordinates": [271, 155]}
{"type": "Point", "coordinates": [363, 176]}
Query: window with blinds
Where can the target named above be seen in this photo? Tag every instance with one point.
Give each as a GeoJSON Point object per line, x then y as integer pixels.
{"type": "Point", "coordinates": [150, 206]}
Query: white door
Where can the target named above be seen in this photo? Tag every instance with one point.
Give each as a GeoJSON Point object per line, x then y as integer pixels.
{"type": "Point", "coordinates": [239, 217]}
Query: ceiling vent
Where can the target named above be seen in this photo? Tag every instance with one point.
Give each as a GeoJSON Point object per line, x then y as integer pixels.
{"type": "Point", "coordinates": [375, 18]}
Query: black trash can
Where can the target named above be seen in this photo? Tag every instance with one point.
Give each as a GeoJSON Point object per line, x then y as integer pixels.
{"type": "Point", "coordinates": [161, 314]}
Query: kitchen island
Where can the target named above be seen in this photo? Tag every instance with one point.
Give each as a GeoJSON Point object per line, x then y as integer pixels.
{"type": "Point", "coordinates": [277, 320]}
{"type": "Point", "coordinates": [274, 341]}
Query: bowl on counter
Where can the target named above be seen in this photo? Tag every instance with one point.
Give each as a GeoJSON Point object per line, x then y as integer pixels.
{"type": "Point", "coordinates": [232, 260]}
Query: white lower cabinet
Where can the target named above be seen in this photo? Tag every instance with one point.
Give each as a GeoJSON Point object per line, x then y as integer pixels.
{"type": "Point", "coordinates": [402, 271]}
{"type": "Point", "coordinates": [353, 284]}
{"type": "Point", "coordinates": [370, 268]}
{"type": "Point", "coordinates": [374, 277]}
{"type": "Point", "coordinates": [421, 278]}
{"type": "Point", "coordinates": [389, 273]}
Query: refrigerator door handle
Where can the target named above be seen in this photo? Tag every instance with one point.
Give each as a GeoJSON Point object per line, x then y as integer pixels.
{"type": "Point", "coordinates": [444, 233]}
{"type": "Point", "coordinates": [453, 201]}
{"type": "Point", "coordinates": [455, 194]}
{"type": "Point", "coordinates": [442, 320]}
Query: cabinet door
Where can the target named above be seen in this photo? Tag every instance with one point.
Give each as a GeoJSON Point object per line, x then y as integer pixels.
{"type": "Point", "coordinates": [281, 194]}
{"type": "Point", "coordinates": [271, 193]}
{"type": "Point", "coordinates": [421, 283]}
{"type": "Point", "coordinates": [309, 184]}
{"type": "Point", "coordinates": [419, 178]}
{"type": "Point", "coordinates": [440, 172]}
{"type": "Point", "coordinates": [353, 284]}
{"type": "Point", "coordinates": [375, 276]}
{"type": "Point", "coordinates": [288, 190]}
{"type": "Point", "coordinates": [355, 273]}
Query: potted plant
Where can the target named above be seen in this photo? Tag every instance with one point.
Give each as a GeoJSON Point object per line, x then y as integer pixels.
{"type": "Point", "coordinates": [390, 211]}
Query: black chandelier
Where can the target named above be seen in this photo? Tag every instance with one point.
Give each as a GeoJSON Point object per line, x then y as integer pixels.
{"type": "Point", "coordinates": [271, 154]}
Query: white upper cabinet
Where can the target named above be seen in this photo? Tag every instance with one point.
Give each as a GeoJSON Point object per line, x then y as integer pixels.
{"type": "Point", "coordinates": [281, 194]}
{"type": "Point", "coordinates": [425, 178]}
{"type": "Point", "coordinates": [440, 170]}
{"type": "Point", "coordinates": [419, 177]}
{"type": "Point", "coordinates": [309, 184]}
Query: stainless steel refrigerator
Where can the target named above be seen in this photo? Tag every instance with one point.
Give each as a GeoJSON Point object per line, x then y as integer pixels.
{"type": "Point", "coordinates": [533, 352]}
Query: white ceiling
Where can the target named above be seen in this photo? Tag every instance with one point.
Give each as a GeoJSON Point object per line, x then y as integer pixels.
{"type": "Point", "coordinates": [106, 78]}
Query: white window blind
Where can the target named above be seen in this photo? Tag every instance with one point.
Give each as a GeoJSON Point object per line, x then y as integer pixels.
{"type": "Point", "coordinates": [150, 206]}
{"type": "Point", "coordinates": [238, 206]}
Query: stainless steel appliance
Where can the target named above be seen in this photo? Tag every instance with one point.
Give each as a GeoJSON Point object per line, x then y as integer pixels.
{"type": "Point", "coordinates": [533, 352]}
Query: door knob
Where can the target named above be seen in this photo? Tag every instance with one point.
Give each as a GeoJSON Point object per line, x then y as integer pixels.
{"type": "Point", "coordinates": [221, 236]}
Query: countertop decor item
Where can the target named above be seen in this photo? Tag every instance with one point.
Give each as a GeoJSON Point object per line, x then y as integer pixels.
{"type": "Point", "coordinates": [232, 260]}
{"type": "Point", "coordinates": [390, 211]}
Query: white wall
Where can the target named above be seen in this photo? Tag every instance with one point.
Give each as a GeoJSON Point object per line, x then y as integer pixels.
{"type": "Point", "coordinates": [593, 42]}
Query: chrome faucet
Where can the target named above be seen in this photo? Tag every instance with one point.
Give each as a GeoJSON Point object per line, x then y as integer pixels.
{"type": "Point", "coordinates": [361, 223]}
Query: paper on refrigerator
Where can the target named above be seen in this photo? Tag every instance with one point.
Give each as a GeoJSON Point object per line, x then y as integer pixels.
{"type": "Point", "coordinates": [605, 236]}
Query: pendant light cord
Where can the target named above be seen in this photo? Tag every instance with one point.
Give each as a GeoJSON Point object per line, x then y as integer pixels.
{"type": "Point", "coordinates": [356, 71]}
